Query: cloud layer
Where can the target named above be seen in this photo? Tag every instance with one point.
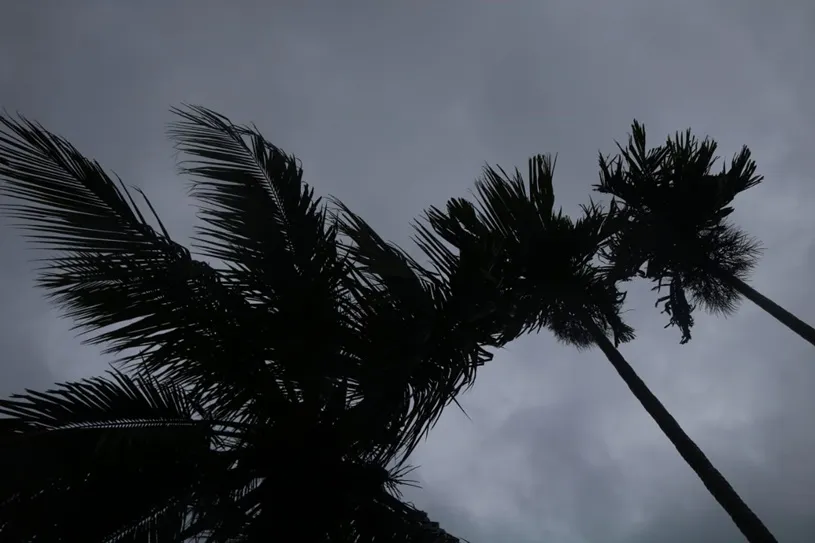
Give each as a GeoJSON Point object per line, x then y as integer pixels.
{"type": "Point", "coordinates": [395, 106]}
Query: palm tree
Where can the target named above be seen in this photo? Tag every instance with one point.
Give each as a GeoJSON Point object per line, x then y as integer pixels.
{"type": "Point", "coordinates": [548, 273]}
{"type": "Point", "coordinates": [678, 228]}
{"type": "Point", "coordinates": [275, 387]}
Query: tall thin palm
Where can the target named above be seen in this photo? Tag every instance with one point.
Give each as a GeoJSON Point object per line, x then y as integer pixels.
{"type": "Point", "coordinates": [678, 234]}
{"type": "Point", "coordinates": [547, 271]}
{"type": "Point", "coordinates": [292, 377]}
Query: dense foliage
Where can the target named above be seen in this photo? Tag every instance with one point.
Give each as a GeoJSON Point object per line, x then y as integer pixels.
{"type": "Point", "coordinates": [274, 384]}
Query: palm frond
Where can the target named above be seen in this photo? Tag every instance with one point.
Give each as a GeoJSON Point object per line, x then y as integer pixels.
{"type": "Point", "coordinates": [265, 223]}
{"type": "Point", "coordinates": [260, 216]}
{"type": "Point", "coordinates": [101, 460]}
{"type": "Point", "coordinates": [130, 285]}
{"type": "Point", "coordinates": [421, 357]}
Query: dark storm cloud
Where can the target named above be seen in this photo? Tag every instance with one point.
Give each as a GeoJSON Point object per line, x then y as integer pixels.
{"type": "Point", "coordinates": [394, 106]}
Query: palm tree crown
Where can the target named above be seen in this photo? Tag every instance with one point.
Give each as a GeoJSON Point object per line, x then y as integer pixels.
{"type": "Point", "coordinates": [543, 261]}
{"type": "Point", "coordinates": [677, 233]}
{"type": "Point", "coordinates": [275, 388]}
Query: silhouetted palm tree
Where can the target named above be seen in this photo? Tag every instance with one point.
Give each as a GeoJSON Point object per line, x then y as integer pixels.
{"type": "Point", "coordinates": [274, 389]}
{"type": "Point", "coordinates": [548, 274]}
{"type": "Point", "coordinates": [678, 233]}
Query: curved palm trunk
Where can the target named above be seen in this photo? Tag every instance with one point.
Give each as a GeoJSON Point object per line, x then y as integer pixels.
{"type": "Point", "coordinates": [747, 521]}
{"type": "Point", "coordinates": [782, 315]}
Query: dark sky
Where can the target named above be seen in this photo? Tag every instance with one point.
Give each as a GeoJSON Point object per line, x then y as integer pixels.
{"type": "Point", "coordinates": [394, 106]}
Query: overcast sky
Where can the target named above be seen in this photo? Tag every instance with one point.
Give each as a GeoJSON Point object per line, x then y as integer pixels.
{"type": "Point", "coordinates": [394, 106]}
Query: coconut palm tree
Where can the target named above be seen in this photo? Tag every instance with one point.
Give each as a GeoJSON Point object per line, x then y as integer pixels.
{"type": "Point", "coordinates": [678, 234]}
{"type": "Point", "coordinates": [274, 385]}
{"type": "Point", "coordinates": [548, 273]}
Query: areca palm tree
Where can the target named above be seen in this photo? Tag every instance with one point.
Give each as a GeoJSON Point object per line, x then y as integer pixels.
{"type": "Point", "coordinates": [274, 385]}
{"type": "Point", "coordinates": [547, 270]}
{"type": "Point", "coordinates": [678, 233]}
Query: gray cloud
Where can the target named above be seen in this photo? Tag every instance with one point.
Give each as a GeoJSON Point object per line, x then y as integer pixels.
{"type": "Point", "coordinates": [395, 106]}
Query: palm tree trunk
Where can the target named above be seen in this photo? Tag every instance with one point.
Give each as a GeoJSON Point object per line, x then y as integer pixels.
{"type": "Point", "coordinates": [747, 521]}
{"type": "Point", "coordinates": [782, 315]}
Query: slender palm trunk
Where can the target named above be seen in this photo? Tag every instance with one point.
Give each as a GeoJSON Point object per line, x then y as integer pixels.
{"type": "Point", "coordinates": [782, 315]}
{"type": "Point", "coordinates": [747, 521]}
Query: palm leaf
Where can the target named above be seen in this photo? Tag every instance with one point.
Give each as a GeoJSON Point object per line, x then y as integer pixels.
{"type": "Point", "coordinates": [259, 215]}
{"type": "Point", "coordinates": [101, 460]}
{"type": "Point", "coordinates": [402, 313]}
{"type": "Point", "coordinates": [266, 225]}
